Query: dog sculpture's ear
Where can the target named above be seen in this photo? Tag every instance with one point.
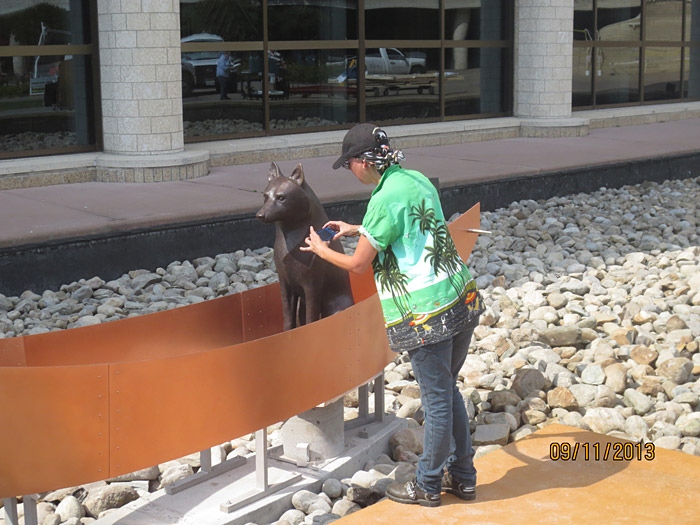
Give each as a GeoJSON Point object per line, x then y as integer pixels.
{"type": "Point", "coordinates": [298, 174]}
{"type": "Point", "coordinates": [274, 172]}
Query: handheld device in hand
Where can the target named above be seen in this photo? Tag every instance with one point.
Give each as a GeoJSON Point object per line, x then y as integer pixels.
{"type": "Point", "coordinates": [326, 233]}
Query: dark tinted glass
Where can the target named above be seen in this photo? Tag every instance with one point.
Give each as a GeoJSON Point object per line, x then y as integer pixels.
{"type": "Point", "coordinates": [475, 81]}
{"type": "Point", "coordinates": [402, 84]}
{"type": "Point", "coordinates": [691, 80]}
{"type": "Point", "coordinates": [584, 27]}
{"type": "Point", "coordinates": [209, 110]}
{"type": "Point", "coordinates": [49, 111]}
{"type": "Point", "coordinates": [617, 78]}
{"type": "Point", "coordinates": [228, 20]}
{"type": "Point", "coordinates": [403, 19]}
{"type": "Point", "coordinates": [51, 22]}
{"type": "Point", "coordinates": [312, 88]}
{"type": "Point", "coordinates": [663, 20]}
{"type": "Point", "coordinates": [619, 20]}
{"type": "Point", "coordinates": [583, 72]}
{"type": "Point", "coordinates": [662, 73]}
{"type": "Point", "coordinates": [692, 21]}
{"type": "Point", "coordinates": [314, 21]}
{"type": "Point", "coordinates": [477, 20]}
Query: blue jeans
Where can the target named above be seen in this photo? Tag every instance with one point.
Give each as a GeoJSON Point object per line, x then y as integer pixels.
{"type": "Point", "coordinates": [448, 441]}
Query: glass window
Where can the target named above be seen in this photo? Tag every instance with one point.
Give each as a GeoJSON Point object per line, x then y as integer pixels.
{"type": "Point", "coordinates": [314, 21]}
{"type": "Point", "coordinates": [662, 73]}
{"type": "Point", "coordinates": [475, 81]}
{"type": "Point", "coordinates": [584, 28]}
{"type": "Point", "coordinates": [51, 22]}
{"type": "Point", "coordinates": [226, 103]}
{"type": "Point", "coordinates": [692, 21]}
{"type": "Point", "coordinates": [691, 88]}
{"type": "Point", "coordinates": [617, 80]}
{"type": "Point", "coordinates": [51, 111]}
{"type": "Point", "coordinates": [229, 20]}
{"type": "Point", "coordinates": [403, 87]}
{"type": "Point", "coordinates": [583, 72]}
{"type": "Point", "coordinates": [663, 20]}
{"type": "Point", "coordinates": [477, 19]}
{"type": "Point", "coordinates": [312, 88]}
{"type": "Point", "coordinates": [402, 19]}
{"type": "Point", "coordinates": [619, 20]}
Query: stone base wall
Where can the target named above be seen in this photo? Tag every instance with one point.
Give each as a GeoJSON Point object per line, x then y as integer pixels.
{"type": "Point", "coordinates": [162, 174]}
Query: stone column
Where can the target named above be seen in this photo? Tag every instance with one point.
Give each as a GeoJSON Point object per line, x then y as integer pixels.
{"type": "Point", "coordinates": [142, 94]}
{"type": "Point", "coordinates": [543, 68]}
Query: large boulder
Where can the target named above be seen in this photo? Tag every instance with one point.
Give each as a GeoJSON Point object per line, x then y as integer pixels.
{"type": "Point", "coordinates": [109, 497]}
{"type": "Point", "coordinates": [528, 380]}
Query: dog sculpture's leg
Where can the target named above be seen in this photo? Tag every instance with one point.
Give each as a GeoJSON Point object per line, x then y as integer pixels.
{"type": "Point", "coordinates": [313, 305]}
{"type": "Point", "coordinates": [289, 307]}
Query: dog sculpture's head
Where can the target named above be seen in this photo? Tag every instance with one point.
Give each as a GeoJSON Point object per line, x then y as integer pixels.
{"type": "Point", "coordinates": [285, 198]}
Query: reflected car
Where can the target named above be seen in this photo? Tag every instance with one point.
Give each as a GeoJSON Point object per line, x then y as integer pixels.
{"type": "Point", "coordinates": [199, 67]}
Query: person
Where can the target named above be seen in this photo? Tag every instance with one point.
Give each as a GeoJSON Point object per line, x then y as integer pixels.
{"type": "Point", "coordinates": [223, 65]}
{"type": "Point", "coordinates": [430, 302]}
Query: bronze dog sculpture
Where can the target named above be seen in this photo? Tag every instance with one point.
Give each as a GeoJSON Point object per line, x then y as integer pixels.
{"type": "Point", "coordinates": [311, 287]}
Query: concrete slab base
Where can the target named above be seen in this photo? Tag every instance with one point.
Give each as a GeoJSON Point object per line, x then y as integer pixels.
{"type": "Point", "coordinates": [521, 483]}
{"type": "Point", "coordinates": [554, 128]}
{"type": "Point", "coordinates": [202, 504]}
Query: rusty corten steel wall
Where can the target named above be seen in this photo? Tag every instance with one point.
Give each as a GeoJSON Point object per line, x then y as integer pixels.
{"type": "Point", "coordinates": [88, 404]}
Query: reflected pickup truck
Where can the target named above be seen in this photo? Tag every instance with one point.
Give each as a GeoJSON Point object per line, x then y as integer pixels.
{"type": "Point", "coordinates": [391, 61]}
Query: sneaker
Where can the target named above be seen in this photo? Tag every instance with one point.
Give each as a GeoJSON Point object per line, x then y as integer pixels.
{"type": "Point", "coordinates": [410, 492]}
{"type": "Point", "coordinates": [462, 491]}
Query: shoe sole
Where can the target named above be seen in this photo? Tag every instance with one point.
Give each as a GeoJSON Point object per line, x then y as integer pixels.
{"type": "Point", "coordinates": [464, 497]}
{"type": "Point", "coordinates": [422, 503]}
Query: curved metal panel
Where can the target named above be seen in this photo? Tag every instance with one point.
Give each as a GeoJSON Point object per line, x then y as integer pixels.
{"type": "Point", "coordinates": [195, 401]}
{"type": "Point", "coordinates": [184, 330]}
{"type": "Point", "coordinates": [12, 352]}
{"type": "Point", "coordinates": [55, 430]}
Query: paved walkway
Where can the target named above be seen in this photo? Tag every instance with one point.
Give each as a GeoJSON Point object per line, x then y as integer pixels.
{"type": "Point", "coordinates": [37, 215]}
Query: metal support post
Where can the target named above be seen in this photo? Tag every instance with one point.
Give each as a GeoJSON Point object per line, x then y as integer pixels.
{"type": "Point", "coordinates": [261, 479]}
{"type": "Point", "coordinates": [10, 505]}
{"type": "Point", "coordinates": [30, 513]}
{"type": "Point", "coordinates": [205, 460]}
{"type": "Point", "coordinates": [379, 397]}
{"type": "Point", "coordinates": [363, 400]}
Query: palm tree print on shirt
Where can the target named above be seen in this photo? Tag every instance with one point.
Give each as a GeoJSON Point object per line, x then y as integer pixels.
{"type": "Point", "coordinates": [442, 255]}
{"type": "Point", "coordinates": [392, 280]}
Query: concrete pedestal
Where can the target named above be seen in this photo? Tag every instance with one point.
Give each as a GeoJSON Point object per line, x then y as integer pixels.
{"type": "Point", "coordinates": [315, 435]}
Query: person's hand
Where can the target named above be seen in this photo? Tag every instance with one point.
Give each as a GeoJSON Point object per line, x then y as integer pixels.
{"type": "Point", "coordinates": [343, 228]}
{"type": "Point", "coordinates": [314, 242]}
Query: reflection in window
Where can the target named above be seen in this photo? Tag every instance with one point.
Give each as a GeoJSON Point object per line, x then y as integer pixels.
{"type": "Point", "coordinates": [475, 81]}
{"type": "Point", "coordinates": [402, 19]}
{"type": "Point", "coordinates": [51, 111]}
{"type": "Point", "coordinates": [222, 95]}
{"type": "Point", "coordinates": [312, 88]}
{"type": "Point", "coordinates": [583, 72]}
{"type": "Point", "coordinates": [313, 21]}
{"type": "Point", "coordinates": [662, 73]}
{"type": "Point", "coordinates": [584, 29]}
{"type": "Point", "coordinates": [663, 20]}
{"type": "Point", "coordinates": [477, 20]}
{"type": "Point", "coordinates": [618, 79]}
{"type": "Point", "coordinates": [230, 20]}
{"type": "Point", "coordinates": [692, 21]}
{"type": "Point", "coordinates": [51, 22]}
{"type": "Point", "coordinates": [619, 23]}
{"type": "Point", "coordinates": [402, 83]}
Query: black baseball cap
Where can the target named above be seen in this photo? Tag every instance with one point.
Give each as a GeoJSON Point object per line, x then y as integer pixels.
{"type": "Point", "coordinates": [360, 139]}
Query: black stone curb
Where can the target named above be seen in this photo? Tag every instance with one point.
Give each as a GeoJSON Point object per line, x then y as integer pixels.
{"type": "Point", "coordinates": [48, 265]}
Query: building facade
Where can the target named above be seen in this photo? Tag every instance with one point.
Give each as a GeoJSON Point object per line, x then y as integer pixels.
{"type": "Point", "coordinates": [157, 90]}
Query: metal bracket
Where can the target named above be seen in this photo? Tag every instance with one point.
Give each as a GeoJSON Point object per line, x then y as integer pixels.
{"type": "Point", "coordinates": [205, 474]}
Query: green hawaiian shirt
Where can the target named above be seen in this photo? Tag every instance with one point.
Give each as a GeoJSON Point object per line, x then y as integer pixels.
{"type": "Point", "coordinates": [426, 291]}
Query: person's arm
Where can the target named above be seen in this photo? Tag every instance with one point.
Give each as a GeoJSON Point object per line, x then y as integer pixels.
{"type": "Point", "coordinates": [357, 263]}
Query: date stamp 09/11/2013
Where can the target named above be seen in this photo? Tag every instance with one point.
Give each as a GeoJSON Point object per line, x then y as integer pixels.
{"type": "Point", "coordinates": [616, 451]}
